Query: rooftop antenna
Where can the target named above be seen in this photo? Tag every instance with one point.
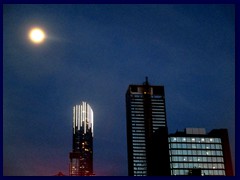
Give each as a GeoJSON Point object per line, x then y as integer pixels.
{"type": "Point", "coordinates": [146, 81]}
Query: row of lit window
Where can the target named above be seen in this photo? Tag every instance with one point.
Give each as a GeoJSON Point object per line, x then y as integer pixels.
{"type": "Point", "coordinates": [198, 165]}
{"type": "Point", "coordinates": [194, 146]}
{"type": "Point", "coordinates": [158, 119]}
{"type": "Point", "coordinates": [158, 107]}
{"type": "Point", "coordinates": [159, 123]}
{"type": "Point", "coordinates": [138, 125]}
{"type": "Point", "coordinates": [138, 128]}
{"type": "Point", "coordinates": [139, 157]}
{"type": "Point", "coordinates": [138, 109]}
{"type": "Point", "coordinates": [139, 144]}
{"type": "Point", "coordinates": [157, 99]}
{"type": "Point", "coordinates": [194, 139]}
{"type": "Point", "coordinates": [137, 162]}
{"type": "Point", "coordinates": [157, 96]}
{"type": "Point", "coordinates": [136, 95]}
{"type": "Point", "coordinates": [139, 147]}
{"type": "Point", "coordinates": [140, 165]}
{"type": "Point", "coordinates": [157, 104]}
{"type": "Point", "coordinates": [138, 141]}
{"type": "Point", "coordinates": [196, 152]}
{"type": "Point", "coordinates": [159, 116]}
{"type": "Point", "coordinates": [139, 151]}
{"type": "Point", "coordinates": [195, 159]}
{"type": "Point", "coordinates": [139, 154]}
{"type": "Point", "coordinates": [137, 118]}
{"type": "Point", "coordinates": [140, 173]}
{"type": "Point", "coordinates": [137, 137]}
{"type": "Point", "coordinates": [158, 112]}
{"type": "Point", "coordinates": [141, 115]}
{"type": "Point", "coordinates": [140, 168]}
{"type": "Point", "coordinates": [136, 105]}
{"type": "Point", "coordinates": [204, 172]}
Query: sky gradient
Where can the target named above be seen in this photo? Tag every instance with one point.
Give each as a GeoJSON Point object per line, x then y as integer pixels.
{"type": "Point", "coordinates": [93, 53]}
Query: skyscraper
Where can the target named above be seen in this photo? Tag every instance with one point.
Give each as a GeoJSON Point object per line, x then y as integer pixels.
{"type": "Point", "coordinates": [81, 157]}
{"type": "Point", "coordinates": [147, 133]}
{"type": "Point", "coordinates": [152, 152]}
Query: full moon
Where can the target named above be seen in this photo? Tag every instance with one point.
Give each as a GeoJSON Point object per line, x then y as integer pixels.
{"type": "Point", "coordinates": [37, 35]}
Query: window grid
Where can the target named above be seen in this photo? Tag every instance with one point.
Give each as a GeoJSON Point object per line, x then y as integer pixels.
{"type": "Point", "coordinates": [196, 152]}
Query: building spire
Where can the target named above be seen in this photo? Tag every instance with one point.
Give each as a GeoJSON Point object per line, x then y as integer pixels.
{"type": "Point", "coordinates": [146, 83]}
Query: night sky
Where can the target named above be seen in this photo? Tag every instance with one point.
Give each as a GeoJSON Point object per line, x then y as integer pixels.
{"type": "Point", "coordinates": [93, 53]}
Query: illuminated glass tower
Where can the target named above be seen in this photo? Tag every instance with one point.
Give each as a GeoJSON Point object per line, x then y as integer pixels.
{"type": "Point", "coordinates": [194, 149]}
{"type": "Point", "coordinates": [147, 133]}
{"type": "Point", "coordinates": [81, 157]}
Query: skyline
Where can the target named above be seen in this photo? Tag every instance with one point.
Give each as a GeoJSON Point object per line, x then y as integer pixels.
{"type": "Point", "coordinates": [93, 53]}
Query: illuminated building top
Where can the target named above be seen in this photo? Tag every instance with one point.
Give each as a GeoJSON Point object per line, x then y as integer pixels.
{"type": "Point", "coordinates": [83, 118]}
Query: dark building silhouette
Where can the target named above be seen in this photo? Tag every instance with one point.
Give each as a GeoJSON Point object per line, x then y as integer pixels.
{"type": "Point", "coordinates": [195, 172]}
{"type": "Point", "coordinates": [81, 157]}
{"type": "Point", "coordinates": [195, 152]}
{"type": "Point", "coordinates": [153, 152]}
{"type": "Point", "coordinates": [147, 133]}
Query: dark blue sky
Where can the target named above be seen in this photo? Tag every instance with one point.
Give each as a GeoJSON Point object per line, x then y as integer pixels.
{"type": "Point", "coordinates": [92, 53]}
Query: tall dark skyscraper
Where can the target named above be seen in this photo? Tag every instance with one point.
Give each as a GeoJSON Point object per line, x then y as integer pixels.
{"type": "Point", "coordinates": [147, 133]}
{"type": "Point", "coordinates": [81, 157]}
{"type": "Point", "coordinates": [152, 152]}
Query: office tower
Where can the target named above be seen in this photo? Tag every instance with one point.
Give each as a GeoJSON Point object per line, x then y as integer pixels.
{"type": "Point", "coordinates": [194, 150]}
{"type": "Point", "coordinates": [147, 134]}
{"type": "Point", "coordinates": [81, 157]}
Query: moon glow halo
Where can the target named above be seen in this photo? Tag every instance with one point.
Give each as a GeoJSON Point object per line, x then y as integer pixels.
{"type": "Point", "coordinates": [37, 35]}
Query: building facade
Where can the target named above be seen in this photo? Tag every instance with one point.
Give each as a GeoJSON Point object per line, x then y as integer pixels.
{"type": "Point", "coordinates": [81, 157]}
{"type": "Point", "coordinates": [146, 125]}
{"type": "Point", "coordinates": [194, 150]}
{"type": "Point", "coordinates": [154, 152]}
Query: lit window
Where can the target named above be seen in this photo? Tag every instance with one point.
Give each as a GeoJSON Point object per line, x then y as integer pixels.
{"type": "Point", "coordinates": [184, 152]}
{"type": "Point", "coordinates": [179, 139]}
{"type": "Point", "coordinates": [193, 139]}
{"type": "Point", "coordinates": [194, 159]}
